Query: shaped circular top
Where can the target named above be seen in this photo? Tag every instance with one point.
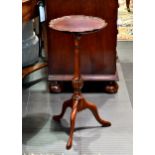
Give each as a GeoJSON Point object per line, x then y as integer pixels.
{"type": "Point", "coordinates": [77, 23]}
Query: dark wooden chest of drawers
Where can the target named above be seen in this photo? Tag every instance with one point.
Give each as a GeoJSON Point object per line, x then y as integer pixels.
{"type": "Point", "coordinates": [98, 50]}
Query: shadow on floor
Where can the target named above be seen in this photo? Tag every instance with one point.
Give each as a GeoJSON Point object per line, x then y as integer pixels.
{"type": "Point", "coordinates": [63, 127]}
{"type": "Point", "coordinates": [26, 84]}
{"type": "Point", "coordinates": [32, 124]}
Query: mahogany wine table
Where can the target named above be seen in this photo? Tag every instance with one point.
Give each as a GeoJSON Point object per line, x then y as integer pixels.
{"type": "Point", "coordinates": [78, 25]}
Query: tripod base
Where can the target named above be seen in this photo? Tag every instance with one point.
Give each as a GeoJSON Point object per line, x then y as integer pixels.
{"type": "Point", "coordinates": [78, 103]}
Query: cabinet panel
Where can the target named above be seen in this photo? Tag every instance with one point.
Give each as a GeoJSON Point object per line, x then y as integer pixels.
{"type": "Point", "coordinates": [98, 50]}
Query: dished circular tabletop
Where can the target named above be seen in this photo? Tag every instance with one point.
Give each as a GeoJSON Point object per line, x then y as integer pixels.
{"type": "Point", "coordinates": [77, 23]}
